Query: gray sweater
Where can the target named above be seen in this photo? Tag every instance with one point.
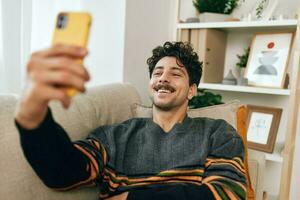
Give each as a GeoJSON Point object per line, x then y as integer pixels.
{"type": "Point", "coordinates": [137, 154]}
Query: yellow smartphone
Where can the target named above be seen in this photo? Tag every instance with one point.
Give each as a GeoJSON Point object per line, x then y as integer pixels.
{"type": "Point", "coordinates": [72, 28]}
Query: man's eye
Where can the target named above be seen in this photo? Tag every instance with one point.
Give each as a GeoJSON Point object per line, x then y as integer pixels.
{"type": "Point", "coordinates": [176, 74]}
{"type": "Point", "coordinates": [157, 73]}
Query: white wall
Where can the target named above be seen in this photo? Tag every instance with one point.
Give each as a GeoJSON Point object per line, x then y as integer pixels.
{"type": "Point", "coordinates": [148, 24]}
{"type": "Point", "coordinates": [113, 56]}
{"type": "Point", "coordinates": [43, 20]}
{"type": "Point", "coordinates": [106, 42]}
{"type": "Point", "coordinates": [11, 36]}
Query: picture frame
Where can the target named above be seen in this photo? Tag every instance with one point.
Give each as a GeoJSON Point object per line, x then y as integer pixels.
{"type": "Point", "coordinates": [262, 127]}
{"type": "Point", "coordinates": [268, 59]}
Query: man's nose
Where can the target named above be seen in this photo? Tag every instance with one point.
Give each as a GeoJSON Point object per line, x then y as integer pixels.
{"type": "Point", "coordinates": [164, 78]}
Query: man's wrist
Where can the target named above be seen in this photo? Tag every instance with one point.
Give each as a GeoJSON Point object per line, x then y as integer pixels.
{"type": "Point", "coordinates": [30, 122]}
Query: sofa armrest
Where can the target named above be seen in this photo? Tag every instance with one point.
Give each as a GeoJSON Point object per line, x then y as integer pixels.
{"type": "Point", "coordinates": [100, 105]}
{"type": "Point", "coordinates": [256, 163]}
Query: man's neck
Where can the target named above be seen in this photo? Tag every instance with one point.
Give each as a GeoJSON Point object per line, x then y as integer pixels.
{"type": "Point", "coordinates": [167, 119]}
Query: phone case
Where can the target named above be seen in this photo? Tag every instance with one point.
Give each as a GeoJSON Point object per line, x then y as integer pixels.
{"type": "Point", "coordinates": [72, 28]}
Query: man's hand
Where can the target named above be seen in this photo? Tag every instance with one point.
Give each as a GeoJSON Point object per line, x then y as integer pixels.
{"type": "Point", "coordinates": [50, 72]}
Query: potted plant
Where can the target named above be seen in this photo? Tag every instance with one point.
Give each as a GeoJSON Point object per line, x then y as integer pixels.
{"type": "Point", "coordinates": [241, 66]}
{"type": "Point", "coordinates": [205, 98]}
{"type": "Point", "coordinates": [215, 10]}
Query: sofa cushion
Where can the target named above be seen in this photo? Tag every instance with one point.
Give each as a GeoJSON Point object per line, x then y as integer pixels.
{"type": "Point", "coordinates": [101, 105]}
{"type": "Point", "coordinates": [17, 179]}
{"type": "Point", "coordinates": [225, 111]}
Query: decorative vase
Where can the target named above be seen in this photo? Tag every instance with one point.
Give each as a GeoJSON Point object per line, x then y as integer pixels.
{"type": "Point", "coordinates": [229, 79]}
{"type": "Point", "coordinates": [240, 72]}
{"type": "Point", "coordinates": [213, 17]}
{"type": "Point", "coordinates": [241, 80]}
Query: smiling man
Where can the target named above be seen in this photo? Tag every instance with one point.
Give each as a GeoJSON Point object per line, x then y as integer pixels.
{"type": "Point", "coordinates": [168, 156]}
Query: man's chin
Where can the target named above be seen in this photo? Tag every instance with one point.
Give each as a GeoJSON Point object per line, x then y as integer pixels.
{"type": "Point", "coordinates": [163, 106]}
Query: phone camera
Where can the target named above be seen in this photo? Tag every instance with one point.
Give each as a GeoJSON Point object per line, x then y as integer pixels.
{"type": "Point", "coordinates": [62, 21]}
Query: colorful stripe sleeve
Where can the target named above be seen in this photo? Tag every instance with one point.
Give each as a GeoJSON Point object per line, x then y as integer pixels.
{"type": "Point", "coordinates": [224, 170]}
{"type": "Point", "coordinates": [56, 160]}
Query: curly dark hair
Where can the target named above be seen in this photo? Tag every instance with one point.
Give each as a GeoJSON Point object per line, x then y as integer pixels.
{"type": "Point", "coordinates": [185, 56]}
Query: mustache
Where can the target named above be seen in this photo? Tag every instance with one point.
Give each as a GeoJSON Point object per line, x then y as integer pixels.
{"type": "Point", "coordinates": [164, 86]}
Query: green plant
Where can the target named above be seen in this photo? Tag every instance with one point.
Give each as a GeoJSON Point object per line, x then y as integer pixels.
{"type": "Point", "coordinates": [205, 98]}
{"type": "Point", "coordinates": [260, 9]}
{"type": "Point", "coordinates": [216, 6]}
{"type": "Point", "coordinates": [243, 59]}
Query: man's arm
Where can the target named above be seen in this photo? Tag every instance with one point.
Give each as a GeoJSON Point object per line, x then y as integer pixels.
{"type": "Point", "coordinates": [224, 168]}
{"type": "Point", "coordinates": [60, 163]}
{"type": "Point", "coordinates": [49, 73]}
{"type": "Point", "coordinates": [46, 145]}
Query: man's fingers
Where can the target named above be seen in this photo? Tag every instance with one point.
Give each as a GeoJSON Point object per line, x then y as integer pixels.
{"type": "Point", "coordinates": [47, 93]}
{"type": "Point", "coordinates": [58, 78]}
{"type": "Point", "coordinates": [58, 63]}
{"type": "Point", "coordinates": [62, 49]}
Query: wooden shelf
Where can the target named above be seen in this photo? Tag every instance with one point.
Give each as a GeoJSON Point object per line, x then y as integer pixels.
{"type": "Point", "coordinates": [246, 89]}
{"type": "Point", "coordinates": [275, 157]}
{"type": "Point", "coordinates": [239, 36]}
{"type": "Point", "coordinates": [286, 25]}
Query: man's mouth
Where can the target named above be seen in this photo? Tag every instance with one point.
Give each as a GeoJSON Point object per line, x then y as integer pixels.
{"type": "Point", "coordinates": [164, 88]}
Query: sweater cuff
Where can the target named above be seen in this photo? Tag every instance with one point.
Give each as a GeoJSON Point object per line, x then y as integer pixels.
{"type": "Point", "coordinates": [47, 122]}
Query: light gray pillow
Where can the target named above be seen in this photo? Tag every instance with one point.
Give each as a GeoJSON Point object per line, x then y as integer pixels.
{"type": "Point", "coordinates": [227, 111]}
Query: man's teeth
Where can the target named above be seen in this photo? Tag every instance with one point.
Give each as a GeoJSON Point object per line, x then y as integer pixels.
{"type": "Point", "coordinates": [164, 91]}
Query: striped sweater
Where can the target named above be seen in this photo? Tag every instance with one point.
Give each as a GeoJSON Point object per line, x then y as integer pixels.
{"type": "Point", "coordinates": [138, 155]}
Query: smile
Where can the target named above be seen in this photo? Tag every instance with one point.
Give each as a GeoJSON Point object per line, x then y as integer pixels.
{"type": "Point", "coordinates": [166, 89]}
{"type": "Point", "coordinates": [163, 91]}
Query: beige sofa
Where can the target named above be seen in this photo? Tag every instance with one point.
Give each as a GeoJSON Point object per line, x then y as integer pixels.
{"type": "Point", "coordinates": [100, 105]}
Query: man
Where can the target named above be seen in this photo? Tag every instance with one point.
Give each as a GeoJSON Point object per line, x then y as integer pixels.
{"type": "Point", "coordinates": [169, 156]}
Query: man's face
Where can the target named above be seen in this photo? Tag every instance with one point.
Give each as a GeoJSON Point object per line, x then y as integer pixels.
{"type": "Point", "coordinates": [169, 85]}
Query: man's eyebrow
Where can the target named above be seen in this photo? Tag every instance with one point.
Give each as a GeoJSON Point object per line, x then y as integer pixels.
{"type": "Point", "coordinates": [172, 68]}
{"type": "Point", "coordinates": [178, 69]}
{"type": "Point", "coordinates": [158, 67]}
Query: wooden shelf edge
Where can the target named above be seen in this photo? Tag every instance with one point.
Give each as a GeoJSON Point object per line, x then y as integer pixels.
{"type": "Point", "coordinates": [275, 157]}
{"type": "Point", "coordinates": [248, 89]}
{"type": "Point", "coordinates": [240, 24]}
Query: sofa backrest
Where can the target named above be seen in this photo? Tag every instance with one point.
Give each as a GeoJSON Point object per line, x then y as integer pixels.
{"type": "Point", "coordinates": [107, 104]}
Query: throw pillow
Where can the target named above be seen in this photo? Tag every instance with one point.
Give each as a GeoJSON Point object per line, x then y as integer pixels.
{"type": "Point", "coordinates": [225, 111]}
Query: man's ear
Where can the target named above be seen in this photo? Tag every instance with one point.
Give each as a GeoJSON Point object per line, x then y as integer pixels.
{"type": "Point", "coordinates": [192, 91]}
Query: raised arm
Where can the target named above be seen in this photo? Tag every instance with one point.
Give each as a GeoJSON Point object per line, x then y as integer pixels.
{"type": "Point", "coordinates": [49, 72]}
{"type": "Point", "coordinates": [47, 147]}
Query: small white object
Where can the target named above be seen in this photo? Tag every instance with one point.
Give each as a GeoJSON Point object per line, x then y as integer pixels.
{"type": "Point", "coordinates": [229, 79]}
{"type": "Point", "coordinates": [213, 17]}
{"type": "Point", "coordinates": [249, 17]}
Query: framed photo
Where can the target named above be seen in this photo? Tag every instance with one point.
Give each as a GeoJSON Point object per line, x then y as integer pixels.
{"type": "Point", "coordinates": [268, 59]}
{"type": "Point", "coordinates": [262, 123]}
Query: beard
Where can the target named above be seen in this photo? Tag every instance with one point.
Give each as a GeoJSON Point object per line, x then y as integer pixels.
{"type": "Point", "coordinates": [162, 106]}
{"type": "Point", "coordinates": [167, 106]}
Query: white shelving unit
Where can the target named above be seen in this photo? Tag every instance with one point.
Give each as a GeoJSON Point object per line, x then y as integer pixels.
{"type": "Point", "coordinates": [274, 157]}
{"type": "Point", "coordinates": [239, 35]}
{"type": "Point", "coordinates": [246, 89]}
{"type": "Point", "coordinates": [255, 25]}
